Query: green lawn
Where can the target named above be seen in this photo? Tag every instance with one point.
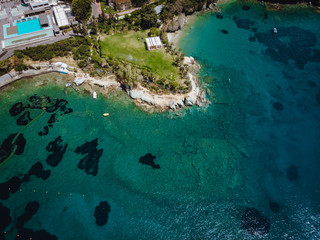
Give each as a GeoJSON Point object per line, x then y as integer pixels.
{"type": "Point", "coordinates": [127, 46]}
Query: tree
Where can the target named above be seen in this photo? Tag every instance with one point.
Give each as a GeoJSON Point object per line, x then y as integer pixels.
{"type": "Point", "coordinates": [81, 9]}
{"type": "Point", "coordinates": [18, 53]}
{"type": "Point", "coordinates": [139, 3]}
{"type": "Point", "coordinates": [75, 29]}
{"type": "Point", "coordinates": [149, 18]}
{"type": "Point", "coordinates": [83, 30]}
{"type": "Point", "coordinates": [154, 32]}
{"type": "Point", "coordinates": [94, 28]}
{"type": "Point", "coordinates": [164, 37]}
{"type": "Point", "coordinates": [82, 63]}
{"type": "Point", "coordinates": [21, 67]}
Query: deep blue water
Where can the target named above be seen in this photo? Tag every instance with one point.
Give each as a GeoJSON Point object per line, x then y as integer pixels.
{"type": "Point", "coordinates": [276, 78]}
{"type": "Point", "coordinates": [246, 167]}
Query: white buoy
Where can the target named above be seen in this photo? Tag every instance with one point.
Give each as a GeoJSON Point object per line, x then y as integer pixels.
{"type": "Point", "coordinates": [94, 95]}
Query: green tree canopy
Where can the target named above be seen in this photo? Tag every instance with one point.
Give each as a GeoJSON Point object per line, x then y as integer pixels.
{"type": "Point", "coordinates": [139, 3]}
{"type": "Point", "coordinates": [81, 9]}
{"type": "Point", "coordinates": [149, 18]}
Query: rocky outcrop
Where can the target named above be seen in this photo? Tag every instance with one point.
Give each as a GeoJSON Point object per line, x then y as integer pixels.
{"type": "Point", "coordinates": [176, 23]}
{"type": "Point", "coordinates": [173, 101]}
{"type": "Point", "coordinates": [193, 66]}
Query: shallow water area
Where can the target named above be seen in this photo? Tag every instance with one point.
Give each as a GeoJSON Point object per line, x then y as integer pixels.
{"type": "Point", "coordinates": [198, 174]}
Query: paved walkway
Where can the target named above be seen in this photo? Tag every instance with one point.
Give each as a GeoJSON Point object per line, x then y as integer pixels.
{"type": "Point", "coordinates": [94, 9]}
{"type": "Point", "coordinates": [98, 5]}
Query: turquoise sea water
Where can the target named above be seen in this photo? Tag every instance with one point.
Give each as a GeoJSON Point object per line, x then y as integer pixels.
{"type": "Point", "coordinates": [255, 146]}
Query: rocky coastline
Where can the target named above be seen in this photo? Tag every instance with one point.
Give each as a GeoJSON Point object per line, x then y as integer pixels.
{"type": "Point", "coordinates": [196, 96]}
{"type": "Point", "coordinates": [142, 97]}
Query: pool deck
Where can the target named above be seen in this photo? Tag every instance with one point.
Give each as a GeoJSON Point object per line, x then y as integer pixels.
{"type": "Point", "coordinates": [14, 34]}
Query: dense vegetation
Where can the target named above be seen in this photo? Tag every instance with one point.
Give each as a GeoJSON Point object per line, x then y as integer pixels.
{"type": "Point", "coordinates": [81, 9]}
{"type": "Point", "coordinates": [49, 51]}
{"type": "Point", "coordinates": [77, 47]}
{"type": "Point", "coordinates": [175, 7]}
{"type": "Point", "coordinates": [139, 3]}
{"type": "Point", "coordinates": [145, 18]}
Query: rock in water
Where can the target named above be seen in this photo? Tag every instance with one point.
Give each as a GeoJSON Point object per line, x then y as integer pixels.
{"type": "Point", "coordinates": [27, 234]}
{"type": "Point", "coordinates": [24, 119]}
{"type": "Point", "coordinates": [38, 171]}
{"type": "Point", "coordinates": [312, 84]}
{"type": "Point", "coordinates": [278, 106]}
{"type": "Point", "coordinates": [243, 23]}
{"type": "Point", "coordinates": [101, 213]}
{"type": "Point", "coordinates": [90, 162]}
{"type": "Point", "coordinates": [16, 109]}
{"type": "Point", "coordinates": [5, 218]}
{"type": "Point", "coordinates": [252, 39]}
{"type": "Point", "coordinates": [299, 46]}
{"type": "Point", "coordinates": [29, 211]}
{"type": "Point", "coordinates": [293, 173]}
{"type": "Point", "coordinates": [148, 159]}
{"type": "Point", "coordinates": [254, 223]}
{"type": "Point", "coordinates": [245, 8]}
{"type": "Point", "coordinates": [274, 207]}
{"type": "Point", "coordinates": [10, 186]}
{"type": "Point", "coordinates": [219, 16]}
{"type": "Point", "coordinates": [7, 146]}
{"type": "Point", "coordinates": [58, 149]}
{"type": "Point", "coordinates": [56, 106]}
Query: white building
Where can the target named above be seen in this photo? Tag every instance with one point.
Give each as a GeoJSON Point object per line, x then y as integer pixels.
{"type": "Point", "coordinates": [34, 4]}
{"type": "Point", "coordinates": [60, 16]}
{"type": "Point", "coordinates": [153, 43]}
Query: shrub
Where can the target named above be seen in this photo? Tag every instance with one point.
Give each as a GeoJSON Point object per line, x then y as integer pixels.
{"type": "Point", "coordinates": [154, 32]}
{"type": "Point", "coordinates": [82, 64]}
{"type": "Point", "coordinates": [21, 67]}
{"type": "Point", "coordinates": [18, 53]}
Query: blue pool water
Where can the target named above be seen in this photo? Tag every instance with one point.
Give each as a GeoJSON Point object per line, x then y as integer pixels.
{"type": "Point", "coordinates": [29, 26]}
{"type": "Point", "coordinates": [247, 167]}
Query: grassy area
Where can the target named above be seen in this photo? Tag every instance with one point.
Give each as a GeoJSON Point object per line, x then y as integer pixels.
{"type": "Point", "coordinates": [130, 47]}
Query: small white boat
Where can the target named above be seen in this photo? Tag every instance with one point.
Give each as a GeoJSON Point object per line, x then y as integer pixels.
{"type": "Point", "coordinates": [94, 95]}
{"type": "Point", "coordinates": [105, 115]}
{"type": "Point", "coordinates": [275, 30]}
{"type": "Point", "coordinates": [68, 84]}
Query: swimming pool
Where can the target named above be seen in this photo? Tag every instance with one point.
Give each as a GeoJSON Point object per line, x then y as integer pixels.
{"type": "Point", "coordinates": [28, 26]}
{"type": "Point", "coordinates": [23, 26]}
{"type": "Point", "coordinates": [25, 30]}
